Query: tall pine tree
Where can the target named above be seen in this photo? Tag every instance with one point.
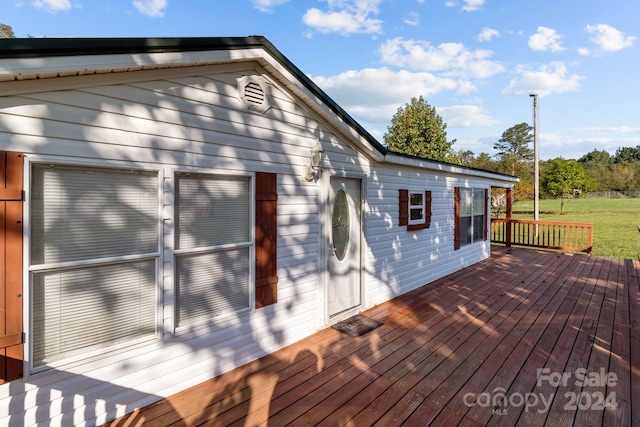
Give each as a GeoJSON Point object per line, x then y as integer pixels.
{"type": "Point", "coordinates": [513, 146]}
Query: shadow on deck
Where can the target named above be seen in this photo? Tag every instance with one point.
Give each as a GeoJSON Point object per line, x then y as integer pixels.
{"type": "Point", "coordinates": [525, 338]}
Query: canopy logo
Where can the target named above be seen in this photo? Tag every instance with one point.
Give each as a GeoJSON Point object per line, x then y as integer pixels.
{"type": "Point", "coordinates": [587, 391]}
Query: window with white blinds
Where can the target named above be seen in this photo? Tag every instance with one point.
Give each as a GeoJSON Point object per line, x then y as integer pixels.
{"type": "Point", "coordinates": [213, 242]}
{"type": "Point", "coordinates": [472, 215]}
{"type": "Point", "coordinates": [212, 284]}
{"type": "Point", "coordinates": [479, 222]}
{"type": "Point", "coordinates": [91, 307]}
{"type": "Point", "coordinates": [80, 214]}
{"type": "Point", "coordinates": [94, 250]}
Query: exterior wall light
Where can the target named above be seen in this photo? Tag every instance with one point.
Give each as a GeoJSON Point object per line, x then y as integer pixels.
{"type": "Point", "coordinates": [312, 170]}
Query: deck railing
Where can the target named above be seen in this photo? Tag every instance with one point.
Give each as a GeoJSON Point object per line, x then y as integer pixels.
{"type": "Point", "coordinates": [562, 236]}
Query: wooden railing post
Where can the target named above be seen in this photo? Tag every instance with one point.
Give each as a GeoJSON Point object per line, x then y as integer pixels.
{"type": "Point", "coordinates": [507, 233]}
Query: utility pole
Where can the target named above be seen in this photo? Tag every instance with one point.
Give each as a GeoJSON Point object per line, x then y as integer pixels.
{"type": "Point", "coordinates": [536, 169]}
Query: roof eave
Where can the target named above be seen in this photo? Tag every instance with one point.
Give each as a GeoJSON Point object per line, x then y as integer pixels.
{"type": "Point", "coordinates": [500, 180]}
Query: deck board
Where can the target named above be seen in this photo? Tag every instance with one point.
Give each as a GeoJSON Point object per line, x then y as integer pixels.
{"type": "Point", "coordinates": [457, 351]}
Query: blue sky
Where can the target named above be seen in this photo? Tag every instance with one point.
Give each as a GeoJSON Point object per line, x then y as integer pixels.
{"type": "Point", "coordinates": [476, 61]}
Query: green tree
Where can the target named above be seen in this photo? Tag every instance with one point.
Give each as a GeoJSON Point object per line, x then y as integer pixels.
{"type": "Point", "coordinates": [485, 162]}
{"type": "Point", "coordinates": [623, 176]}
{"type": "Point", "coordinates": [565, 179]}
{"type": "Point", "coordinates": [513, 146]}
{"type": "Point", "coordinates": [599, 167]}
{"type": "Point", "coordinates": [627, 154]}
{"type": "Point", "coordinates": [418, 130]}
{"type": "Point", "coordinates": [600, 157]}
{"type": "Point", "coordinates": [462, 157]}
{"type": "Point", "coordinates": [6, 32]}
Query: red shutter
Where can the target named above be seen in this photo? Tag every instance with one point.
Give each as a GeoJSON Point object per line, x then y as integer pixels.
{"type": "Point", "coordinates": [486, 214]}
{"type": "Point", "coordinates": [11, 348]}
{"type": "Point", "coordinates": [456, 218]}
{"type": "Point", "coordinates": [266, 239]}
{"type": "Point", "coordinates": [427, 207]}
{"type": "Point", "coordinates": [11, 165]}
{"type": "Point", "coordinates": [403, 199]}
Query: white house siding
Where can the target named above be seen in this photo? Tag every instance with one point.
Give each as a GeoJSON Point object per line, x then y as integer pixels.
{"type": "Point", "coordinates": [175, 122]}
{"type": "Point", "coordinates": [399, 260]}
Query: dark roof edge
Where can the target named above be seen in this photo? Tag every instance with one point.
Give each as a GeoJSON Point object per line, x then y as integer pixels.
{"type": "Point", "coordinates": [51, 47]}
{"type": "Point", "coordinates": [39, 47]}
{"type": "Point", "coordinates": [425, 159]}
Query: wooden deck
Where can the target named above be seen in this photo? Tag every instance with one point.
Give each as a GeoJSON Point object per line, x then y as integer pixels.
{"type": "Point", "coordinates": [525, 338]}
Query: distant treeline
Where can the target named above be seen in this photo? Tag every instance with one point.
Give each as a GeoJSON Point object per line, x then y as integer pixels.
{"type": "Point", "coordinates": [619, 172]}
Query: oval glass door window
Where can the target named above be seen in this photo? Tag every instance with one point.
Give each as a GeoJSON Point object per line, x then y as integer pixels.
{"type": "Point", "coordinates": [340, 224]}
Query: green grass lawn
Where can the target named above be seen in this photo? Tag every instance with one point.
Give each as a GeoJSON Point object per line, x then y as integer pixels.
{"type": "Point", "coordinates": [615, 221]}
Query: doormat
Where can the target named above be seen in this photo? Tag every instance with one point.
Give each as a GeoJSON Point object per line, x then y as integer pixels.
{"type": "Point", "coordinates": [357, 326]}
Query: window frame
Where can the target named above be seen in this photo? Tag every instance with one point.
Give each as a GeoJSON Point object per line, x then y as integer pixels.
{"type": "Point", "coordinates": [419, 207]}
{"type": "Point", "coordinates": [465, 215]}
{"type": "Point", "coordinates": [249, 244]}
{"type": "Point", "coordinates": [405, 207]}
{"type": "Point", "coordinates": [72, 358]}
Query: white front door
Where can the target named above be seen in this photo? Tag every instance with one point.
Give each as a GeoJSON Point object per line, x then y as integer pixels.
{"type": "Point", "coordinates": [345, 222]}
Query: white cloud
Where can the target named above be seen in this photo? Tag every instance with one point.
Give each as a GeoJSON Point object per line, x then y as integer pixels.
{"type": "Point", "coordinates": [583, 51]}
{"type": "Point", "coordinates": [453, 59]}
{"type": "Point", "coordinates": [374, 94]}
{"type": "Point", "coordinates": [487, 34]}
{"type": "Point", "coordinates": [468, 5]}
{"type": "Point", "coordinates": [345, 17]}
{"type": "Point", "coordinates": [267, 5]}
{"type": "Point", "coordinates": [152, 8]}
{"type": "Point", "coordinates": [609, 39]}
{"type": "Point", "coordinates": [462, 116]}
{"type": "Point", "coordinates": [412, 19]}
{"type": "Point", "coordinates": [546, 39]}
{"type": "Point", "coordinates": [472, 5]}
{"type": "Point", "coordinates": [52, 5]}
{"type": "Point", "coordinates": [549, 79]}
{"type": "Point", "coordinates": [574, 145]}
{"type": "Point", "coordinates": [618, 129]}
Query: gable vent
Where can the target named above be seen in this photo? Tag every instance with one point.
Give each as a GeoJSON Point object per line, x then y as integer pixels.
{"type": "Point", "coordinates": [254, 94]}
{"type": "Point", "coordinates": [253, 91]}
